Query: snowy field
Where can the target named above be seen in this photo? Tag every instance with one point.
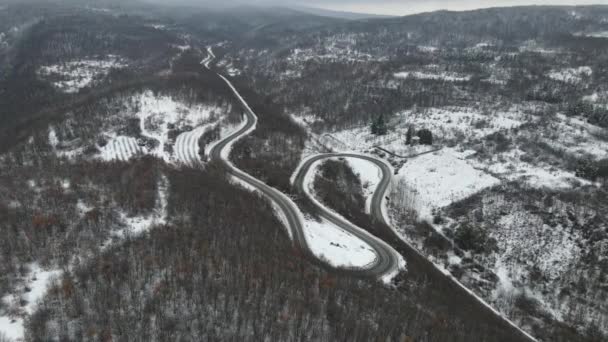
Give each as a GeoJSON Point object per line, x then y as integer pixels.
{"type": "Point", "coordinates": [158, 113]}
{"type": "Point", "coordinates": [72, 76]}
{"type": "Point", "coordinates": [510, 167]}
{"type": "Point", "coordinates": [576, 137]}
{"type": "Point", "coordinates": [186, 150]}
{"type": "Point", "coordinates": [598, 99]}
{"type": "Point", "coordinates": [571, 75]}
{"type": "Point", "coordinates": [598, 34]}
{"type": "Point", "coordinates": [533, 46]}
{"type": "Point", "coordinates": [457, 122]}
{"type": "Point", "coordinates": [441, 178]}
{"type": "Point", "coordinates": [330, 53]}
{"type": "Point", "coordinates": [120, 148]}
{"type": "Point", "coordinates": [163, 126]}
{"type": "Point", "coordinates": [443, 76]}
{"type": "Point", "coordinates": [336, 246]}
{"type": "Point", "coordinates": [426, 48]}
{"type": "Point", "coordinates": [447, 124]}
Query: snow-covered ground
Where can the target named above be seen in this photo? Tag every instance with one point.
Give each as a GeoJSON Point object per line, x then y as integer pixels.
{"type": "Point", "coordinates": [510, 167]}
{"type": "Point", "coordinates": [228, 65]}
{"type": "Point", "coordinates": [533, 46]}
{"type": "Point", "coordinates": [576, 137]}
{"type": "Point", "coordinates": [166, 127]}
{"type": "Point", "coordinates": [441, 178]}
{"type": "Point", "coordinates": [137, 225]}
{"type": "Point", "coordinates": [444, 76]}
{"type": "Point", "coordinates": [186, 149]}
{"type": "Point", "coordinates": [457, 124]}
{"type": "Point", "coordinates": [426, 48]}
{"type": "Point", "coordinates": [157, 26]}
{"type": "Point", "coordinates": [336, 246]}
{"type": "Point", "coordinates": [571, 75]}
{"type": "Point", "coordinates": [36, 283]}
{"type": "Point", "coordinates": [541, 252]}
{"type": "Point", "coordinates": [34, 287]}
{"type": "Point", "coordinates": [598, 34]}
{"type": "Point", "coordinates": [370, 176]}
{"type": "Point", "coordinates": [330, 53]}
{"type": "Point", "coordinates": [120, 148]}
{"type": "Point", "coordinates": [72, 76]}
{"type": "Point", "coordinates": [158, 113]}
{"type": "Point", "coordinates": [598, 99]}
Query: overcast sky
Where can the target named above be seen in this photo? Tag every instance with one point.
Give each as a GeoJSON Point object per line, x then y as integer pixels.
{"type": "Point", "coordinates": [403, 7]}
{"type": "Point", "coordinates": [391, 7]}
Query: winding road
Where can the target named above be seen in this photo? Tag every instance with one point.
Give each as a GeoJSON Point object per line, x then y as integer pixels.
{"type": "Point", "coordinates": [389, 246]}
{"type": "Point", "coordinates": [389, 234]}
{"type": "Point", "coordinates": [388, 257]}
{"type": "Point", "coordinates": [387, 260]}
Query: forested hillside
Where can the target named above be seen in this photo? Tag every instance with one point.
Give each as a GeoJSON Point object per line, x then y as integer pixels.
{"type": "Point", "coordinates": [122, 219]}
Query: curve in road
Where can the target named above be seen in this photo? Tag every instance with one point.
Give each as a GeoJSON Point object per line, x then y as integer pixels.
{"type": "Point", "coordinates": [388, 260]}
{"type": "Point", "coordinates": [379, 213]}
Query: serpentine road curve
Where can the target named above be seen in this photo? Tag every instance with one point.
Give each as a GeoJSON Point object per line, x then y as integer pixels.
{"type": "Point", "coordinates": [387, 260]}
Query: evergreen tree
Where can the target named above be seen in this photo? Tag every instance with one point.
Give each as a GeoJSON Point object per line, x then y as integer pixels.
{"type": "Point", "coordinates": [409, 135]}
{"type": "Point", "coordinates": [426, 137]}
{"type": "Point", "coordinates": [381, 128]}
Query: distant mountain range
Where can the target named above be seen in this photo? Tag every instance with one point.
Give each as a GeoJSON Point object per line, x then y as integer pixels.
{"type": "Point", "coordinates": [338, 14]}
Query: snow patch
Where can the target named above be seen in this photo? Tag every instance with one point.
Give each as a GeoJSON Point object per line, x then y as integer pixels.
{"type": "Point", "coordinates": [423, 48]}
{"type": "Point", "coordinates": [441, 178]}
{"type": "Point", "coordinates": [33, 289]}
{"type": "Point", "coordinates": [72, 76]}
{"type": "Point", "coordinates": [597, 34]}
{"type": "Point", "coordinates": [186, 149]}
{"type": "Point", "coordinates": [444, 76]}
{"type": "Point", "coordinates": [158, 113]}
{"type": "Point", "coordinates": [509, 166]}
{"type": "Point", "coordinates": [370, 176]}
{"type": "Point", "coordinates": [138, 225]}
{"type": "Point", "coordinates": [336, 246]}
{"type": "Point", "coordinates": [120, 148]}
{"type": "Point", "coordinates": [571, 75]}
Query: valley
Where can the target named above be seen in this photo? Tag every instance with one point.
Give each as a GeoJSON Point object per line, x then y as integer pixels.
{"type": "Point", "coordinates": [185, 174]}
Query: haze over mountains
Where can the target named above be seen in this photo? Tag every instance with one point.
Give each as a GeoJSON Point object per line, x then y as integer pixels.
{"type": "Point", "coordinates": [386, 7]}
